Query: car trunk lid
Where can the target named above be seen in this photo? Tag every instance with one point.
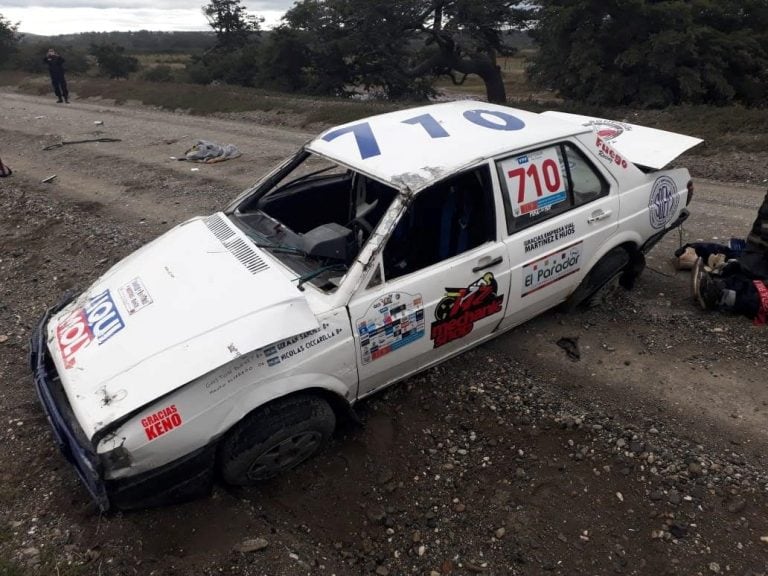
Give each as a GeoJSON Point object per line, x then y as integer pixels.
{"type": "Point", "coordinates": [639, 144]}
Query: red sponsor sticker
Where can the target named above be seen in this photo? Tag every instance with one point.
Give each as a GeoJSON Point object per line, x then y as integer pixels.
{"type": "Point", "coordinates": [161, 422]}
{"type": "Point", "coordinates": [72, 334]}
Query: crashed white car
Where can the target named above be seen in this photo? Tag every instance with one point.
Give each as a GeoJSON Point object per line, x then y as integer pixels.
{"type": "Point", "coordinates": [230, 345]}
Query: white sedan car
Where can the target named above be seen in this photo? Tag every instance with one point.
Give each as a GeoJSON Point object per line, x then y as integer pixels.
{"type": "Point", "coordinates": [231, 344]}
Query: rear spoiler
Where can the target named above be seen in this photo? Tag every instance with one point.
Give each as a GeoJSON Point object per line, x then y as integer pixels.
{"type": "Point", "coordinates": [639, 144]}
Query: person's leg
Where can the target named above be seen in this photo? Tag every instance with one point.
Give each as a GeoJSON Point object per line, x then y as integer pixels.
{"type": "Point", "coordinates": [56, 89]}
{"type": "Point", "coordinates": [64, 90]}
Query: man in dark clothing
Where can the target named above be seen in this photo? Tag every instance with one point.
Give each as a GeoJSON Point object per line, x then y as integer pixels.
{"type": "Point", "coordinates": [56, 68]}
{"type": "Point", "coordinates": [739, 284]}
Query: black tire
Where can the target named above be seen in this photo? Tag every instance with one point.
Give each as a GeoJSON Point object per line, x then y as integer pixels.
{"type": "Point", "coordinates": [600, 281]}
{"type": "Point", "coordinates": [274, 438]}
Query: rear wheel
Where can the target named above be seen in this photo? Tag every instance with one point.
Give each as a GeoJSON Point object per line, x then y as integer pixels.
{"type": "Point", "coordinates": [274, 438]}
{"type": "Point", "coordinates": [600, 282]}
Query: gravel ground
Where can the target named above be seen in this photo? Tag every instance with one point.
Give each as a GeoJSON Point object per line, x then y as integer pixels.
{"type": "Point", "coordinates": [645, 456]}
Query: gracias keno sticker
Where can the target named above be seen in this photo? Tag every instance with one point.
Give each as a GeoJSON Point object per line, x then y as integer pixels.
{"type": "Point", "coordinates": [161, 422]}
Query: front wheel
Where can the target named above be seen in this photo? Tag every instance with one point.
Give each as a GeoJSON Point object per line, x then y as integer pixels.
{"type": "Point", "coordinates": [274, 438]}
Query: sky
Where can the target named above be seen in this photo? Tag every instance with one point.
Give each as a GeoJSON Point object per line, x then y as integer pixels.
{"type": "Point", "coordinates": [50, 17]}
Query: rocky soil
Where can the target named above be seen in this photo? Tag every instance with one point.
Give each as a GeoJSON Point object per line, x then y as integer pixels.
{"type": "Point", "coordinates": [645, 455]}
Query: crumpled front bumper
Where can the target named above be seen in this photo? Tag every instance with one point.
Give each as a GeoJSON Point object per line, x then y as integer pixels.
{"type": "Point", "coordinates": [69, 437]}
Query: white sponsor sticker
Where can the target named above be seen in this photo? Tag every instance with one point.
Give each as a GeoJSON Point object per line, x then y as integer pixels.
{"type": "Point", "coordinates": [135, 295]}
{"type": "Point", "coordinates": [551, 268]}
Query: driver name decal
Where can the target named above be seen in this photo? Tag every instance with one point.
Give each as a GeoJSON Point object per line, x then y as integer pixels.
{"type": "Point", "coordinates": [551, 268]}
{"type": "Point", "coordinates": [460, 308]}
{"type": "Point", "coordinates": [98, 320]}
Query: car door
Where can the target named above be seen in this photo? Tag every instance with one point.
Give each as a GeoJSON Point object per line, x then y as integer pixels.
{"type": "Point", "coordinates": [561, 208]}
{"type": "Point", "coordinates": [441, 282]}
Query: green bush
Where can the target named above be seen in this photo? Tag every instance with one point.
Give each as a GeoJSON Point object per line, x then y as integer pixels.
{"type": "Point", "coordinates": [112, 60]}
{"type": "Point", "coordinates": [158, 74]}
{"type": "Point", "coordinates": [29, 58]}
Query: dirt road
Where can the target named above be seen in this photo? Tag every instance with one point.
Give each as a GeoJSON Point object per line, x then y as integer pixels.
{"type": "Point", "coordinates": [647, 456]}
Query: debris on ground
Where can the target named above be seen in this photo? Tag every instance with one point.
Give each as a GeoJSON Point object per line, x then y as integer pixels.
{"type": "Point", "coordinates": [210, 152]}
{"type": "Point", "coordinates": [571, 347]}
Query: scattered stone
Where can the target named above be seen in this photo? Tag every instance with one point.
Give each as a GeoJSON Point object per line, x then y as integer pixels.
{"type": "Point", "coordinates": [30, 552]}
{"type": "Point", "coordinates": [385, 477]}
{"type": "Point", "coordinates": [472, 567]}
{"type": "Point", "coordinates": [416, 536]}
{"type": "Point", "coordinates": [714, 567]}
{"type": "Point", "coordinates": [500, 533]}
{"type": "Point", "coordinates": [656, 495]}
{"type": "Point", "coordinates": [3, 338]}
{"type": "Point", "coordinates": [377, 515]}
{"type": "Point", "coordinates": [253, 545]}
{"type": "Point", "coordinates": [657, 534]}
{"type": "Point", "coordinates": [678, 531]}
{"type": "Point", "coordinates": [382, 570]}
{"type": "Point", "coordinates": [737, 506]}
{"type": "Point", "coordinates": [674, 497]}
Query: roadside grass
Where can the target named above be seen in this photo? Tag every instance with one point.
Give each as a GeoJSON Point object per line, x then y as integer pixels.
{"type": "Point", "coordinates": [730, 128]}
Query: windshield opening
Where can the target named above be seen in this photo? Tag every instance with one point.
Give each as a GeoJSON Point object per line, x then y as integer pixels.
{"type": "Point", "coordinates": [316, 218]}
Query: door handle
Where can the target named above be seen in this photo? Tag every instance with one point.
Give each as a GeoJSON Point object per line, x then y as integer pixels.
{"type": "Point", "coordinates": [598, 215]}
{"type": "Point", "coordinates": [486, 262]}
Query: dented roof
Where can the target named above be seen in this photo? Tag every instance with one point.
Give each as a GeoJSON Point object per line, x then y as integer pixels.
{"type": "Point", "coordinates": [416, 147]}
{"type": "Point", "coordinates": [411, 149]}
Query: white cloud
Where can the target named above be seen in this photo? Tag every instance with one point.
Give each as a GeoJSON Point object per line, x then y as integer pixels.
{"type": "Point", "coordinates": [49, 17]}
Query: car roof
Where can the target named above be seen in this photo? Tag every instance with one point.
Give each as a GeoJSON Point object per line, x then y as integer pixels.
{"type": "Point", "coordinates": [411, 149]}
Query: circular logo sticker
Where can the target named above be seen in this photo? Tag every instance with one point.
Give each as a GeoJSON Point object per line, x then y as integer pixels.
{"type": "Point", "coordinates": [663, 202]}
{"type": "Point", "coordinates": [606, 129]}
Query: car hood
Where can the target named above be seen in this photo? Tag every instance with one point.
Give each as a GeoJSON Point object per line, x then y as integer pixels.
{"type": "Point", "coordinates": [194, 299]}
{"type": "Point", "coordinates": [639, 144]}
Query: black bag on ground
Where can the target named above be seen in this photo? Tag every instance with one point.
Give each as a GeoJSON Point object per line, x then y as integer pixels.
{"type": "Point", "coordinates": [4, 170]}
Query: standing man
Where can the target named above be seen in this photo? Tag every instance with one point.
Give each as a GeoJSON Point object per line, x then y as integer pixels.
{"type": "Point", "coordinates": [56, 68]}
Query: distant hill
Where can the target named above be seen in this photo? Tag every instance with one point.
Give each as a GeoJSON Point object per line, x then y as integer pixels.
{"type": "Point", "coordinates": [141, 41]}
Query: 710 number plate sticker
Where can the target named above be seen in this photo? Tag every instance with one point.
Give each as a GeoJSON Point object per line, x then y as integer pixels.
{"type": "Point", "coordinates": [535, 181]}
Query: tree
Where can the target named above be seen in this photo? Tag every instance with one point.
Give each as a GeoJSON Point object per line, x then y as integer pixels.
{"type": "Point", "coordinates": [9, 40]}
{"type": "Point", "coordinates": [467, 36]}
{"type": "Point", "coordinates": [284, 61]}
{"type": "Point", "coordinates": [231, 23]}
{"type": "Point", "coordinates": [29, 57]}
{"type": "Point", "coordinates": [235, 57]}
{"type": "Point", "coordinates": [112, 60]}
{"type": "Point", "coordinates": [653, 53]}
{"type": "Point", "coordinates": [398, 44]}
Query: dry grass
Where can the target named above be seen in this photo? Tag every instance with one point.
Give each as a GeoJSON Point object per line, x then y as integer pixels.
{"type": "Point", "coordinates": [732, 128]}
